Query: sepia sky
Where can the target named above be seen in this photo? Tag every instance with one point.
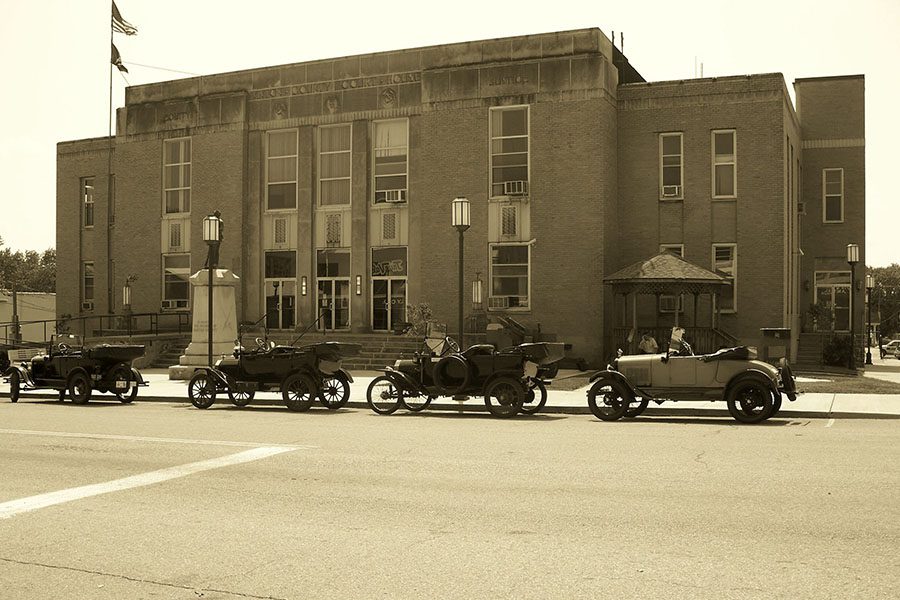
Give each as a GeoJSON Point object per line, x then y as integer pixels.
{"type": "Point", "coordinates": [55, 65]}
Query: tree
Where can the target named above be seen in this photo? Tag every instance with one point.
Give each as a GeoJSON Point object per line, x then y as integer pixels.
{"type": "Point", "coordinates": [28, 271]}
{"type": "Point", "coordinates": [886, 297]}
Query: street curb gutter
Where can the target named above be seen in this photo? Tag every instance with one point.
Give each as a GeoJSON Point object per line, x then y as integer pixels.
{"type": "Point", "coordinates": [475, 407]}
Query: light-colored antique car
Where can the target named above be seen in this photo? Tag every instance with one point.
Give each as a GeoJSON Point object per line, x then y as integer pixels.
{"type": "Point", "coordinates": [752, 388]}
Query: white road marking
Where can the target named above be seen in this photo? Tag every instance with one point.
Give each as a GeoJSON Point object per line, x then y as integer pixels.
{"type": "Point", "coordinates": [15, 507]}
{"type": "Point", "coordinates": [829, 423]}
{"type": "Point", "coordinates": [137, 438]}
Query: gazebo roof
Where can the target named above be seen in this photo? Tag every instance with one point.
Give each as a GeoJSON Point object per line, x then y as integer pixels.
{"type": "Point", "coordinates": [665, 273]}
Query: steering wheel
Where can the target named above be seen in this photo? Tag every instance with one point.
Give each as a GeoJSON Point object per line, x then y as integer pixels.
{"type": "Point", "coordinates": [63, 347]}
{"type": "Point", "coordinates": [262, 343]}
{"type": "Point", "coordinates": [451, 343]}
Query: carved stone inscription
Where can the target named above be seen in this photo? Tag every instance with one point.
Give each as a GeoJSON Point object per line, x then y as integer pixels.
{"type": "Point", "coordinates": [334, 86]}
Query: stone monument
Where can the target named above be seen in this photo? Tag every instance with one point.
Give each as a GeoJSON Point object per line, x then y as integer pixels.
{"type": "Point", "coordinates": [224, 322]}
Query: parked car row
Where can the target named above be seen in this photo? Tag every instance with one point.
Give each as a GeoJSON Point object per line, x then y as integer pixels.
{"type": "Point", "coordinates": [511, 380]}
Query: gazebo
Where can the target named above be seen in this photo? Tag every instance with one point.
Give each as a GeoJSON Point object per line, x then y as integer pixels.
{"type": "Point", "coordinates": [667, 275]}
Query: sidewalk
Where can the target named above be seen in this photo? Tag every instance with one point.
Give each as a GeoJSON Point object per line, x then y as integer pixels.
{"type": "Point", "coordinates": [812, 405]}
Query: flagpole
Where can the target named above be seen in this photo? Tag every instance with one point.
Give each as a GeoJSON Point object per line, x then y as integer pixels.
{"type": "Point", "coordinates": [109, 186]}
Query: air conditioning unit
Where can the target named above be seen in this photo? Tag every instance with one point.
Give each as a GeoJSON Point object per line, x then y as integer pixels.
{"type": "Point", "coordinates": [671, 191]}
{"type": "Point", "coordinates": [515, 188]}
{"type": "Point", "coordinates": [395, 195]}
{"type": "Point", "coordinates": [801, 208]}
{"type": "Point", "coordinates": [87, 305]}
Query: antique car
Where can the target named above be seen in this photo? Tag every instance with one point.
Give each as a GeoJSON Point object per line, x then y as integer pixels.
{"type": "Point", "coordinates": [512, 380]}
{"type": "Point", "coordinates": [301, 374]}
{"type": "Point", "coordinates": [70, 366]}
{"type": "Point", "coordinates": [753, 389]}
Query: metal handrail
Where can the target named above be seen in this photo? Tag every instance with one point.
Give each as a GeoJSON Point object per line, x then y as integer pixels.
{"type": "Point", "coordinates": [100, 325]}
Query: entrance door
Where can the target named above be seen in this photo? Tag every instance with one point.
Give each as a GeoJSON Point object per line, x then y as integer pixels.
{"type": "Point", "coordinates": [334, 304]}
{"type": "Point", "coordinates": [833, 300]}
{"type": "Point", "coordinates": [388, 303]}
{"type": "Point", "coordinates": [280, 311]}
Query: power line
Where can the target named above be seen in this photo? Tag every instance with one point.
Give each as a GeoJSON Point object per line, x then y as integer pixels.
{"type": "Point", "coordinates": [162, 69]}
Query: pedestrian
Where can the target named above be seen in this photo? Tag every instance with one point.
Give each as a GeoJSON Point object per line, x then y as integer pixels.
{"type": "Point", "coordinates": [648, 344]}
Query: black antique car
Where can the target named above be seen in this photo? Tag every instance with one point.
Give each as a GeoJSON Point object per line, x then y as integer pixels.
{"type": "Point", "coordinates": [300, 373]}
{"type": "Point", "coordinates": [70, 366]}
{"type": "Point", "coordinates": [511, 380]}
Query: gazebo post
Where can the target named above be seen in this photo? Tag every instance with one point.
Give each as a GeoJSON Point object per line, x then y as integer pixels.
{"type": "Point", "coordinates": [696, 301]}
{"type": "Point", "coordinates": [634, 330]}
{"type": "Point", "coordinates": [678, 304]}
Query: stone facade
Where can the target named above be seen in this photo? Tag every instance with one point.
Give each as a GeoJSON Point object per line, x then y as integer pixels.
{"type": "Point", "coordinates": [589, 204]}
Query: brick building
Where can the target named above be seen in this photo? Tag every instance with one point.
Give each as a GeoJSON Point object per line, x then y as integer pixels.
{"type": "Point", "coordinates": [335, 179]}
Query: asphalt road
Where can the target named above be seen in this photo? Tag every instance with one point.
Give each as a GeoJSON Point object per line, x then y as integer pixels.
{"type": "Point", "coordinates": [264, 503]}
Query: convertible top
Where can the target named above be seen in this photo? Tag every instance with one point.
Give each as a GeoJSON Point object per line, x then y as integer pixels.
{"type": "Point", "coordinates": [736, 353]}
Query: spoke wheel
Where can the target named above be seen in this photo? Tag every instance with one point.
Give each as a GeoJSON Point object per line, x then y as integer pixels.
{"type": "Point", "coordinates": [335, 391]}
{"type": "Point", "coordinates": [636, 408]}
{"type": "Point", "coordinates": [240, 398]}
{"type": "Point", "coordinates": [298, 392]}
{"type": "Point", "coordinates": [535, 397]}
{"type": "Point", "coordinates": [416, 403]}
{"type": "Point", "coordinates": [80, 388]}
{"type": "Point", "coordinates": [202, 390]}
{"type": "Point", "coordinates": [504, 397]}
{"type": "Point", "coordinates": [750, 401]}
{"type": "Point", "coordinates": [383, 396]}
{"type": "Point", "coordinates": [14, 386]}
{"type": "Point", "coordinates": [608, 400]}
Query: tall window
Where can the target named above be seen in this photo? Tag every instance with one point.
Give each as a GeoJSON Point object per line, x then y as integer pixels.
{"type": "Point", "coordinates": [669, 303]}
{"type": "Point", "coordinates": [281, 170]}
{"type": "Point", "coordinates": [176, 283]}
{"type": "Point", "coordinates": [280, 289]}
{"type": "Point", "coordinates": [509, 151]}
{"type": "Point", "coordinates": [87, 201]}
{"type": "Point", "coordinates": [833, 195]}
{"type": "Point", "coordinates": [510, 274]}
{"type": "Point", "coordinates": [177, 175]}
{"type": "Point", "coordinates": [725, 264]}
{"type": "Point", "coordinates": [671, 165]}
{"type": "Point", "coordinates": [334, 165]}
{"type": "Point", "coordinates": [87, 284]}
{"type": "Point", "coordinates": [390, 169]}
{"type": "Point", "coordinates": [333, 276]}
{"type": "Point", "coordinates": [724, 173]}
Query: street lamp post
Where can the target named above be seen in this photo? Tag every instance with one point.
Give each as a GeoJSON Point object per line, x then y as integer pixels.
{"type": "Point", "coordinates": [870, 283]}
{"type": "Point", "coordinates": [460, 220]}
{"type": "Point", "coordinates": [212, 235]}
{"type": "Point", "coordinates": [852, 259]}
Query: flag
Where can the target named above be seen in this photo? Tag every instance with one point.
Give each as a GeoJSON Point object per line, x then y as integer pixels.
{"type": "Point", "coordinates": [121, 25]}
{"type": "Point", "coordinates": [117, 60]}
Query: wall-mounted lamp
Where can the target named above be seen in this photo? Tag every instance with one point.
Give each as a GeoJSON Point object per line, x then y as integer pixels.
{"type": "Point", "coordinates": [359, 285]}
{"type": "Point", "coordinates": [303, 285]}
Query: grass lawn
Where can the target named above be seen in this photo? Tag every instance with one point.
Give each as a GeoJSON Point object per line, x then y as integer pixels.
{"type": "Point", "coordinates": [837, 385]}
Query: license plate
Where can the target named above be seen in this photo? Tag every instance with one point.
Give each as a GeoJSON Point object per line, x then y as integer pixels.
{"type": "Point", "coordinates": [121, 385]}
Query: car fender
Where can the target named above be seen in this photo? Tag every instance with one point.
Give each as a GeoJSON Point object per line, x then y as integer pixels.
{"type": "Point", "coordinates": [313, 375]}
{"type": "Point", "coordinates": [346, 374]}
{"type": "Point", "coordinates": [138, 377]}
{"type": "Point", "coordinates": [24, 375]}
{"type": "Point", "coordinates": [610, 375]}
{"type": "Point", "coordinates": [401, 380]}
{"type": "Point", "coordinates": [751, 374]}
{"type": "Point", "coordinates": [213, 373]}
{"type": "Point", "coordinates": [517, 375]}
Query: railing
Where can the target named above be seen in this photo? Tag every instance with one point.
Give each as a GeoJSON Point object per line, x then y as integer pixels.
{"type": "Point", "coordinates": [104, 325]}
{"type": "Point", "coordinates": [702, 339]}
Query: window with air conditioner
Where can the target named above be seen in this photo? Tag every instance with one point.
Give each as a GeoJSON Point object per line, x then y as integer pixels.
{"type": "Point", "coordinates": [510, 276]}
{"type": "Point", "coordinates": [390, 169]}
{"type": "Point", "coordinates": [509, 155]}
{"type": "Point", "coordinates": [671, 165]}
{"type": "Point", "coordinates": [177, 176]}
{"type": "Point", "coordinates": [176, 293]}
{"type": "Point", "coordinates": [281, 170]}
{"type": "Point", "coordinates": [87, 285]}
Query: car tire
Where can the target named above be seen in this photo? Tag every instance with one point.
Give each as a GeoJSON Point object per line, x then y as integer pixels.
{"type": "Point", "coordinates": [202, 390]}
{"type": "Point", "coordinates": [636, 409]}
{"type": "Point", "coordinates": [14, 386]}
{"type": "Point", "coordinates": [416, 403]}
{"type": "Point", "coordinates": [776, 405]}
{"type": "Point", "coordinates": [241, 399]}
{"type": "Point", "coordinates": [535, 397]}
{"type": "Point", "coordinates": [130, 393]}
{"type": "Point", "coordinates": [608, 399]}
{"type": "Point", "coordinates": [383, 396]}
{"type": "Point", "coordinates": [335, 391]}
{"type": "Point", "coordinates": [504, 396]}
{"type": "Point", "coordinates": [298, 392]}
{"type": "Point", "coordinates": [80, 388]}
{"type": "Point", "coordinates": [750, 401]}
